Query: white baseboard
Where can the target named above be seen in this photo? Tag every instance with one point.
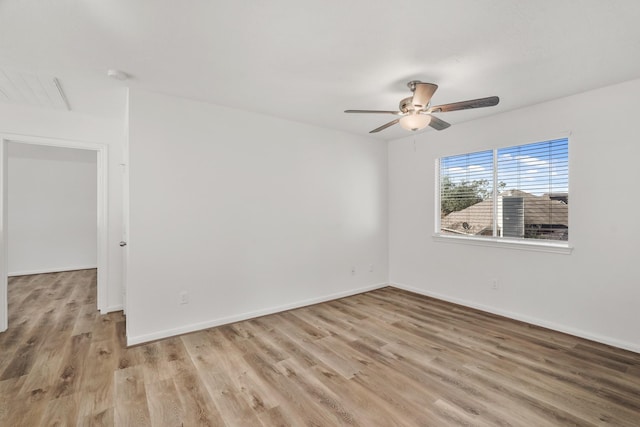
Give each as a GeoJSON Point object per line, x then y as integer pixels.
{"type": "Point", "coordinates": [139, 339]}
{"type": "Point", "coordinates": [50, 270]}
{"type": "Point", "coordinates": [112, 308]}
{"type": "Point", "coordinates": [534, 321]}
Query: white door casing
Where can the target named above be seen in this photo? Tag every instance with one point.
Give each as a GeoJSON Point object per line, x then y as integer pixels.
{"type": "Point", "coordinates": [101, 220]}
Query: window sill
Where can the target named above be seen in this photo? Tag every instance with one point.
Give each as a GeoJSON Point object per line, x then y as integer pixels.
{"type": "Point", "coordinates": [537, 246]}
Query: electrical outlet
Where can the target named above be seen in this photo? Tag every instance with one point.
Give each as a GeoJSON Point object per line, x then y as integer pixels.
{"type": "Point", "coordinates": [353, 270]}
{"type": "Point", "coordinates": [370, 268]}
{"type": "Point", "coordinates": [184, 298]}
{"type": "Point", "coordinates": [494, 284]}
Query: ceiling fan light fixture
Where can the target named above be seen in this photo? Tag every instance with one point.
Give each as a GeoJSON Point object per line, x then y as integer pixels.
{"type": "Point", "coordinates": [415, 121]}
{"type": "Point", "coordinates": [415, 111]}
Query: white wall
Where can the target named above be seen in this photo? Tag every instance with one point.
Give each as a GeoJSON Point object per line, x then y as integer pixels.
{"type": "Point", "coordinates": [593, 292]}
{"type": "Point", "coordinates": [52, 212]}
{"type": "Point", "coordinates": [247, 213]}
{"type": "Point", "coordinates": [16, 120]}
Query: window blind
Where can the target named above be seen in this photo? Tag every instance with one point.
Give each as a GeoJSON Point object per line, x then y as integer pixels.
{"type": "Point", "coordinates": [536, 177]}
{"type": "Point", "coordinates": [519, 192]}
{"type": "Point", "coordinates": [466, 190]}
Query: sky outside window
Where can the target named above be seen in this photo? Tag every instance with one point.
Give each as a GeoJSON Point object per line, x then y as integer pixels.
{"type": "Point", "coordinates": [536, 168]}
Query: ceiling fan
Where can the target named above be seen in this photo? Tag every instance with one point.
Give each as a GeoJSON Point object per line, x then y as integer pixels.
{"type": "Point", "coordinates": [416, 111]}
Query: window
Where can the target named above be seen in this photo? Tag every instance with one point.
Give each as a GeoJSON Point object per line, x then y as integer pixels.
{"type": "Point", "coordinates": [519, 192]}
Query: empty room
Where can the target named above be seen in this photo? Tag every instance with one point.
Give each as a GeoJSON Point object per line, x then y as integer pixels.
{"type": "Point", "coordinates": [316, 213]}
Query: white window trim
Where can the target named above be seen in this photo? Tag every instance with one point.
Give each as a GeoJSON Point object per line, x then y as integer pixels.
{"type": "Point", "coordinates": [549, 246]}
{"type": "Point", "coordinates": [502, 242]}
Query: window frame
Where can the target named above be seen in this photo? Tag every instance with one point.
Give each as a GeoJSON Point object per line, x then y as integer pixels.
{"type": "Point", "coordinates": [537, 245]}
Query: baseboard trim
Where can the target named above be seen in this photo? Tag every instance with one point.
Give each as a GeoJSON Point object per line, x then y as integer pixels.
{"type": "Point", "coordinates": [532, 320]}
{"type": "Point", "coordinates": [140, 339]}
{"type": "Point", "coordinates": [112, 308]}
{"type": "Point", "coordinates": [50, 270]}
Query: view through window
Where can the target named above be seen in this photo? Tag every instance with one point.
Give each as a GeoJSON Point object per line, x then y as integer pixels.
{"type": "Point", "coordinates": [519, 192]}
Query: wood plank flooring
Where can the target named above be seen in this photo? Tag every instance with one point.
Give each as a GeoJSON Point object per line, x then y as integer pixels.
{"type": "Point", "coordinates": [383, 358]}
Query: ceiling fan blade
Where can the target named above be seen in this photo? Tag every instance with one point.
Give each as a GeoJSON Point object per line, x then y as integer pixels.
{"type": "Point", "coordinates": [373, 111]}
{"type": "Point", "coordinates": [438, 124]}
{"type": "Point", "coordinates": [422, 94]}
{"type": "Point", "coordinates": [466, 105]}
{"type": "Point", "coordinates": [383, 127]}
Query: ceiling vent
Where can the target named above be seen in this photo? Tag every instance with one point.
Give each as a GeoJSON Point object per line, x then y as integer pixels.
{"type": "Point", "coordinates": [32, 89]}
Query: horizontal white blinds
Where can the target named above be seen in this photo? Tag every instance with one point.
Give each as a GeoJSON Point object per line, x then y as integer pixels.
{"type": "Point", "coordinates": [532, 185]}
{"type": "Point", "coordinates": [540, 168]}
{"type": "Point", "coordinates": [537, 177]}
{"type": "Point", "coordinates": [466, 188]}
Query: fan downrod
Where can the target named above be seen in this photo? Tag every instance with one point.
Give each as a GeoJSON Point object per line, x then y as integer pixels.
{"type": "Point", "coordinates": [412, 85]}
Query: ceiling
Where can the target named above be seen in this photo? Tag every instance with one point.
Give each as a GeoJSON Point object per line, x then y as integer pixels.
{"type": "Point", "coordinates": [308, 60]}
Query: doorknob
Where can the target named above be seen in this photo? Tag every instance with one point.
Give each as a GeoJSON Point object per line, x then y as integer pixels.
{"type": "Point", "coordinates": [122, 243]}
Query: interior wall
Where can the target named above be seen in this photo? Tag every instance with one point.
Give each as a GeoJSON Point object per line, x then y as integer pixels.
{"type": "Point", "coordinates": [593, 292]}
{"type": "Point", "coordinates": [16, 120]}
{"type": "Point", "coordinates": [52, 209]}
{"type": "Point", "coordinates": [246, 214]}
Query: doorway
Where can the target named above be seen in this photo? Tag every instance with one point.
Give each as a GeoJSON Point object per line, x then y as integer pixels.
{"type": "Point", "coordinates": [100, 151]}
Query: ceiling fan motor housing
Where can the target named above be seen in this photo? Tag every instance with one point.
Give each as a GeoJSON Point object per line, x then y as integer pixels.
{"type": "Point", "coordinates": [406, 105]}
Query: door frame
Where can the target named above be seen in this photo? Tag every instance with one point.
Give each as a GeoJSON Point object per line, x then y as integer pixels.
{"type": "Point", "coordinates": [101, 219]}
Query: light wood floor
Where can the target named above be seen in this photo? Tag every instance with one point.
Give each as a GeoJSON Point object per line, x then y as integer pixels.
{"type": "Point", "coordinates": [383, 358]}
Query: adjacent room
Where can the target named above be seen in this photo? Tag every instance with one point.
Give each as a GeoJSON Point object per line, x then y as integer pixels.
{"type": "Point", "coordinates": [310, 213]}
